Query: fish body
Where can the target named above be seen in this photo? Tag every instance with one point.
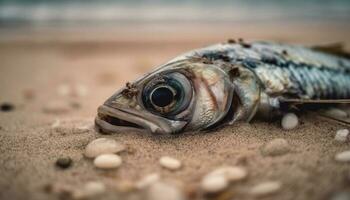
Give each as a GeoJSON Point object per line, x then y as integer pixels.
{"type": "Point", "coordinates": [225, 83]}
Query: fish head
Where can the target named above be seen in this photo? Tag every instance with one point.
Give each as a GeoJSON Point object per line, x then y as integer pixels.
{"type": "Point", "coordinates": [183, 95]}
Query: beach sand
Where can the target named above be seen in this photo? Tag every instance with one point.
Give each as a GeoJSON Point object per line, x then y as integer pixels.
{"type": "Point", "coordinates": [38, 65]}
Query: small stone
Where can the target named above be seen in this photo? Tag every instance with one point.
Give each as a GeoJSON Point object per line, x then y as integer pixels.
{"type": "Point", "coordinates": [342, 135]}
{"type": "Point", "coordinates": [64, 90]}
{"type": "Point", "coordinates": [90, 189]}
{"type": "Point", "coordinates": [81, 90]}
{"type": "Point", "coordinates": [64, 162]}
{"type": "Point", "coordinates": [107, 161]}
{"type": "Point", "coordinates": [343, 156]}
{"type": "Point", "coordinates": [213, 183]}
{"type": "Point", "coordinates": [336, 113]}
{"type": "Point", "coordinates": [162, 191]}
{"type": "Point", "coordinates": [231, 173]}
{"type": "Point", "coordinates": [56, 124]}
{"type": "Point", "coordinates": [7, 107]}
{"type": "Point", "coordinates": [276, 147]}
{"type": "Point", "coordinates": [56, 107]}
{"type": "Point", "coordinates": [103, 146]}
{"type": "Point", "coordinates": [289, 121]}
{"type": "Point", "coordinates": [170, 163]}
{"type": "Point", "coordinates": [265, 188]}
{"type": "Point", "coordinates": [147, 181]}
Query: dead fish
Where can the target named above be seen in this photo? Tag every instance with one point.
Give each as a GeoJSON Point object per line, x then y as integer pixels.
{"type": "Point", "coordinates": [225, 83]}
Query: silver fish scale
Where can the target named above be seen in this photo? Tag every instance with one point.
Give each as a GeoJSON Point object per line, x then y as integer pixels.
{"type": "Point", "coordinates": [289, 71]}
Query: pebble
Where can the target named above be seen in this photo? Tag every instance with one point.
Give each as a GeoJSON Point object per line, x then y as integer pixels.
{"type": "Point", "coordinates": [107, 161]}
{"type": "Point", "coordinates": [265, 188]}
{"type": "Point", "coordinates": [162, 191]}
{"type": "Point", "coordinates": [276, 147]}
{"type": "Point", "coordinates": [56, 124]}
{"type": "Point", "coordinates": [64, 90]}
{"type": "Point", "coordinates": [336, 113]}
{"type": "Point", "coordinates": [342, 135]}
{"type": "Point", "coordinates": [90, 189]}
{"type": "Point", "coordinates": [56, 107]}
{"type": "Point", "coordinates": [214, 183]}
{"type": "Point", "coordinates": [219, 179]}
{"type": "Point", "coordinates": [81, 90]}
{"type": "Point", "coordinates": [170, 163]}
{"type": "Point", "coordinates": [343, 156]}
{"type": "Point", "coordinates": [103, 146]}
{"type": "Point", "coordinates": [147, 181]}
{"type": "Point", "coordinates": [231, 173]}
{"type": "Point", "coordinates": [64, 162]}
{"type": "Point", "coordinates": [289, 121]}
{"type": "Point", "coordinates": [7, 107]}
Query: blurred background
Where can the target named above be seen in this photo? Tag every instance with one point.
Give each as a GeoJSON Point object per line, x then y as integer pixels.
{"type": "Point", "coordinates": [47, 42]}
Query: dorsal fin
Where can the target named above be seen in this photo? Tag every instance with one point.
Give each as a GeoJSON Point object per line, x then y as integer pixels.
{"type": "Point", "coordinates": [337, 49]}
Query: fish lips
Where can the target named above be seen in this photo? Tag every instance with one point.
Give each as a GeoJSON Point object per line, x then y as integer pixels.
{"type": "Point", "coordinates": [115, 119]}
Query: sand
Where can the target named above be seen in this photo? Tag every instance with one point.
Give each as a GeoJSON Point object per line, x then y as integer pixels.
{"type": "Point", "coordinates": [41, 61]}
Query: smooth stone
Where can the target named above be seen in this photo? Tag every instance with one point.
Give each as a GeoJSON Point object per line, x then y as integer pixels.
{"type": "Point", "coordinates": [336, 113]}
{"type": "Point", "coordinates": [276, 147]}
{"type": "Point", "coordinates": [341, 135]}
{"type": "Point", "coordinates": [164, 191]}
{"type": "Point", "coordinates": [170, 163]}
{"type": "Point", "coordinates": [213, 183]}
{"type": "Point", "coordinates": [231, 173]}
{"type": "Point", "coordinates": [289, 121]}
{"type": "Point", "coordinates": [103, 146]}
{"type": "Point", "coordinates": [64, 162]}
{"type": "Point", "coordinates": [265, 188]}
{"type": "Point", "coordinates": [89, 190]}
{"type": "Point", "coordinates": [7, 107]}
{"type": "Point", "coordinates": [107, 161]}
{"type": "Point", "coordinates": [56, 124]}
{"type": "Point", "coordinates": [64, 90]}
{"type": "Point", "coordinates": [147, 181]}
{"type": "Point", "coordinates": [56, 107]}
{"type": "Point", "coordinates": [343, 156]}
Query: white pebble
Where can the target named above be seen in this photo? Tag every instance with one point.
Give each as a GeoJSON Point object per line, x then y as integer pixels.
{"type": "Point", "coordinates": [289, 121]}
{"type": "Point", "coordinates": [170, 163]}
{"type": "Point", "coordinates": [266, 188]}
{"type": "Point", "coordinates": [56, 124]}
{"type": "Point", "coordinates": [212, 183]}
{"type": "Point", "coordinates": [147, 181]}
{"type": "Point", "coordinates": [107, 161]}
{"type": "Point", "coordinates": [89, 190]}
{"type": "Point", "coordinates": [336, 113]}
{"type": "Point", "coordinates": [276, 147]}
{"type": "Point", "coordinates": [103, 146]}
{"type": "Point", "coordinates": [56, 107]}
{"type": "Point", "coordinates": [64, 90]}
{"type": "Point", "coordinates": [162, 191]}
{"type": "Point", "coordinates": [81, 90]}
{"type": "Point", "coordinates": [343, 156]}
{"type": "Point", "coordinates": [230, 173]}
{"type": "Point", "coordinates": [341, 135]}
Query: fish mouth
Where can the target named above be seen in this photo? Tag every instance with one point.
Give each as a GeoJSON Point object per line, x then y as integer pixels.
{"type": "Point", "coordinates": [110, 120]}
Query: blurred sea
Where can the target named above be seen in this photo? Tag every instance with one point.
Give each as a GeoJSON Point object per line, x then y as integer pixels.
{"type": "Point", "coordinates": [15, 13]}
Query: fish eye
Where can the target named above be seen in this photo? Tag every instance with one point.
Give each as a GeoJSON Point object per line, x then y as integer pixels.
{"type": "Point", "coordinates": [167, 95]}
{"type": "Point", "coordinates": [162, 96]}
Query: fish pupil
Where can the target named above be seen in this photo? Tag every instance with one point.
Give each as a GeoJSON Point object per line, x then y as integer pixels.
{"type": "Point", "coordinates": [162, 96]}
